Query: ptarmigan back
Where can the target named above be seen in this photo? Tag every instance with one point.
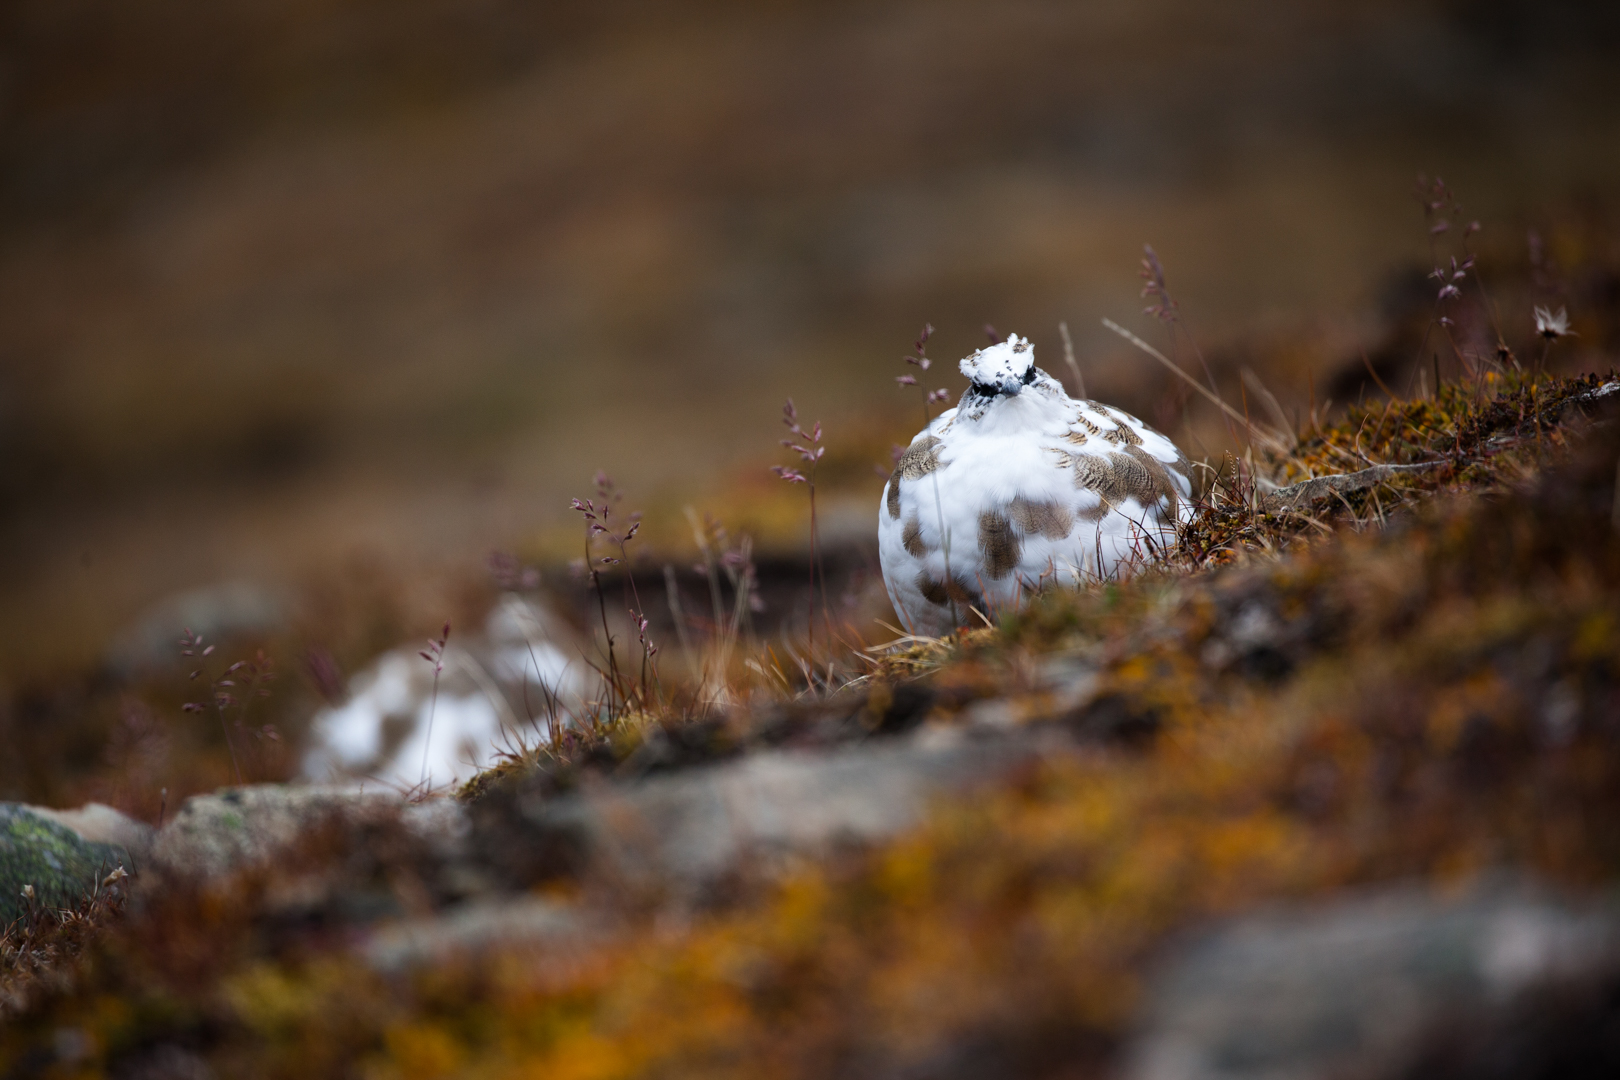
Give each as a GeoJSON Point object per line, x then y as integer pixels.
{"type": "Point", "coordinates": [1018, 488]}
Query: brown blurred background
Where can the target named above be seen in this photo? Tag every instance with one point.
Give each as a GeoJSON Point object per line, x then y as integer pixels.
{"type": "Point", "coordinates": [353, 291]}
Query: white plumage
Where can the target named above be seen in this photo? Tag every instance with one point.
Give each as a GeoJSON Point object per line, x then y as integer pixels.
{"type": "Point", "coordinates": [1020, 487]}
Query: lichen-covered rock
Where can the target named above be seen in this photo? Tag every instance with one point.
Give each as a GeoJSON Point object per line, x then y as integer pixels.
{"type": "Point", "coordinates": [241, 827]}
{"type": "Point", "coordinates": [695, 828]}
{"type": "Point", "coordinates": [100, 823]}
{"type": "Point", "coordinates": [62, 866]}
{"type": "Point", "coordinates": [245, 828]}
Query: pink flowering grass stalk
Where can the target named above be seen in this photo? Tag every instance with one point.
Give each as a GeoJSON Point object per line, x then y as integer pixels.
{"type": "Point", "coordinates": [810, 451]}
{"type": "Point", "coordinates": [1443, 216]}
{"type": "Point", "coordinates": [918, 358]}
{"type": "Point", "coordinates": [735, 562]}
{"type": "Point", "coordinates": [232, 694]}
{"type": "Point", "coordinates": [433, 654]}
{"type": "Point", "coordinates": [623, 696]}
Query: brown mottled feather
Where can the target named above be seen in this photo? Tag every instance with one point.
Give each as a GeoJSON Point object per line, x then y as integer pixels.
{"type": "Point", "coordinates": [919, 459]}
{"type": "Point", "coordinates": [1048, 519]}
{"type": "Point", "coordinates": [1094, 513]}
{"type": "Point", "coordinates": [1162, 484]}
{"type": "Point", "coordinates": [940, 594]}
{"type": "Point", "coordinates": [1123, 435]}
{"type": "Point", "coordinates": [1097, 474]}
{"type": "Point", "coordinates": [999, 545]}
{"type": "Point", "coordinates": [911, 537]}
{"type": "Point", "coordinates": [1135, 478]}
{"type": "Point", "coordinates": [1183, 466]}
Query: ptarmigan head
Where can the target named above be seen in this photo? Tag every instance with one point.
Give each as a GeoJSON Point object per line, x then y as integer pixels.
{"type": "Point", "coordinates": [1005, 368]}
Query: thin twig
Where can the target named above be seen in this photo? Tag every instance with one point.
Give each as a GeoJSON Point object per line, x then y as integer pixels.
{"type": "Point", "coordinates": [1255, 432]}
{"type": "Point", "coordinates": [1068, 358]}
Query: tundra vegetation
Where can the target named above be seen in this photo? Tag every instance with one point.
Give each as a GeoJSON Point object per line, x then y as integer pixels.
{"type": "Point", "coordinates": [1386, 649]}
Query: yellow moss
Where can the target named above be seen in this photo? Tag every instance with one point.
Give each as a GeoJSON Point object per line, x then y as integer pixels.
{"type": "Point", "coordinates": [419, 1051]}
{"type": "Point", "coordinates": [270, 999]}
{"type": "Point", "coordinates": [1596, 638]}
{"type": "Point", "coordinates": [905, 875]}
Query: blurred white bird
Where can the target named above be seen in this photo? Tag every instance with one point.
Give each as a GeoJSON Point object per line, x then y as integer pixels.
{"type": "Point", "coordinates": [1020, 487]}
{"type": "Point", "coordinates": [397, 728]}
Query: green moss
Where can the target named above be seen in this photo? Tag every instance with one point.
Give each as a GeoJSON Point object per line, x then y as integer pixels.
{"type": "Point", "coordinates": [62, 867]}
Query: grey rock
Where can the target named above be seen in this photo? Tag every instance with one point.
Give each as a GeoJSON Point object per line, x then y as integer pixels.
{"type": "Point", "coordinates": [692, 829]}
{"type": "Point", "coordinates": [1358, 988]}
{"type": "Point", "coordinates": [523, 923]}
{"type": "Point", "coordinates": [681, 832]}
{"type": "Point", "coordinates": [62, 866]}
{"type": "Point", "coordinates": [241, 827]}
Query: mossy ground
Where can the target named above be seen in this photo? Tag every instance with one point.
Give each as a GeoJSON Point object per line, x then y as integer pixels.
{"type": "Point", "coordinates": [1419, 681]}
{"type": "Point", "coordinates": [55, 862]}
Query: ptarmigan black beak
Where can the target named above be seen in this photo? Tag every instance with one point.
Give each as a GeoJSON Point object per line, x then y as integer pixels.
{"type": "Point", "coordinates": [1007, 386]}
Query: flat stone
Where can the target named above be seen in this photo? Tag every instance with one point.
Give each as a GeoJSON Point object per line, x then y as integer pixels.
{"type": "Point", "coordinates": [236, 828]}
{"type": "Point", "coordinates": [682, 831]}
{"type": "Point", "coordinates": [1359, 988]}
{"type": "Point", "coordinates": [693, 828]}
{"type": "Point", "coordinates": [527, 923]}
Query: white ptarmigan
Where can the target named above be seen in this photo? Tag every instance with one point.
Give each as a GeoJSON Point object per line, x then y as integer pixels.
{"type": "Point", "coordinates": [1020, 487]}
